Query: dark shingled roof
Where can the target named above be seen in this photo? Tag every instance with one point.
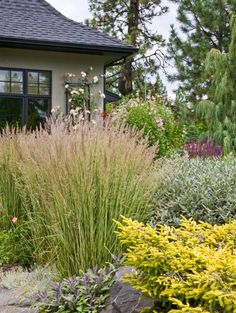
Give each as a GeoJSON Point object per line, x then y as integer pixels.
{"type": "Point", "coordinates": [35, 22]}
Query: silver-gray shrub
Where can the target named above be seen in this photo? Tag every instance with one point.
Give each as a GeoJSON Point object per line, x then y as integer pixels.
{"type": "Point", "coordinates": [202, 189]}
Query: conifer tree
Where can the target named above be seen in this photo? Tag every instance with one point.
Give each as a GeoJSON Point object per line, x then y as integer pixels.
{"type": "Point", "coordinates": [219, 111]}
{"type": "Point", "coordinates": [130, 21]}
{"type": "Point", "coordinates": [203, 25]}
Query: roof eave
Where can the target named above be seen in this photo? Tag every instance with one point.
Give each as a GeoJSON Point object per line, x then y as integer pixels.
{"type": "Point", "coordinates": [64, 47]}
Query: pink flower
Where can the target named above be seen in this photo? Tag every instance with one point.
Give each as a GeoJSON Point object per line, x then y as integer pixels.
{"type": "Point", "coordinates": [14, 219]}
{"type": "Point", "coordinates": [159, 122]}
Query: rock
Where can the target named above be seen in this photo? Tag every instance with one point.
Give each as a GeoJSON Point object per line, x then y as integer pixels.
{"type": "Point", "coordinates": [123, 298]}
{"type": "Point", "coordinates": [9, 302]}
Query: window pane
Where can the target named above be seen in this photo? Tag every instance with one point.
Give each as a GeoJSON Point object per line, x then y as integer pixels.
{"type": "Point", "coordinates": [16, 87]}
{"type": "Point", "coordinates": [43, 90]}
{"type": "Point", "coordinates": [44, 77]}
{"type": "Point", "coordinates": [11, 111]}
{"type": "Point", "coordinates": [4, 75]}
{"type": "Point", "coordinates": [4, 87]}
{"type": "Point", "coordinates": [38, 110]}
{"type": "Point", "coordinates": [16, 76]}
{"type": "Point", "coordinates": [33, 89]}
{"type": "Point", "coordinates": [33, 77]}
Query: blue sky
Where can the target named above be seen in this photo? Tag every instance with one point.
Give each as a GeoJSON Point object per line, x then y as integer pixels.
{"type": "Point", "coordinates": [78, 10]}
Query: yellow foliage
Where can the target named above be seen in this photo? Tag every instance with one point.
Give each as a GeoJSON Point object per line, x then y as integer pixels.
{"type": "Point", "coordinates": [190, 269]}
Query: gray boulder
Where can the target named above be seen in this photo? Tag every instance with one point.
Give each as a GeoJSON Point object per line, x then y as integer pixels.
{"type": "Point", "coordinates": [123, 298]}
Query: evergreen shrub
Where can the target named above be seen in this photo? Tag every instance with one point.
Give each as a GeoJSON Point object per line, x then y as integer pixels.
{"type": "Point", "coordinates": [187, 269]}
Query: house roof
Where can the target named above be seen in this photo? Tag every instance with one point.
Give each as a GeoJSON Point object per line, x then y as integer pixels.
{"type": "Point", "coordinates": [36, 24]}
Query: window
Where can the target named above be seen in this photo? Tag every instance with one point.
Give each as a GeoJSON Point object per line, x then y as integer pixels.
{"type": "Point", "coordinates": [25, 97]}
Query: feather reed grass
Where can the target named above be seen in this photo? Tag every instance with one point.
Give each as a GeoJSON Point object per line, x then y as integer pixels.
{"type": "Point", "coordinates": [70, 183]}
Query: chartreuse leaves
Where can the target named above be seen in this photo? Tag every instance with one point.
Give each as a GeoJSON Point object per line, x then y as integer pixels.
{"type": "Point", "coordinates": [187, 269]}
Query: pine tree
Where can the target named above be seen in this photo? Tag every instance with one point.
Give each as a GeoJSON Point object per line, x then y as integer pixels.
{"type": "Point", "coordinates": [130, 21]}
{"type": "Point", "coordinates": [204, 24]}
{"type": "Point", "coordinates": [219, 111]}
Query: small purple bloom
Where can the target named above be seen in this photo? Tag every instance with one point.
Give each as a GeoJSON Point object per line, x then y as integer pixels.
{"type": "Point", "coordinates": [159, 122]}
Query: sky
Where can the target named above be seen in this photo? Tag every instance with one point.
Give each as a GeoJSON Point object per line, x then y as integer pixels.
{"type": "Point", "coordinates": [78, 10]}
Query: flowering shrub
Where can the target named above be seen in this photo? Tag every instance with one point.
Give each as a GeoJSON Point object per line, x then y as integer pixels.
{"type": "Point", "coordinates": [156, 122]}
{"type": "Point", "coordinates": [202, 149]}
{"type": "Point", "coordinates": [79, 90]}
{"type": "Point", "coordinates": [198, 188]}
{"type": "Point", "coordinates": [187, 269]}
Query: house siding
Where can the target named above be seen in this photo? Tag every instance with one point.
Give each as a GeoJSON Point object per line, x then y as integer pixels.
{"type": "Point", "coordinates": [58, 63]}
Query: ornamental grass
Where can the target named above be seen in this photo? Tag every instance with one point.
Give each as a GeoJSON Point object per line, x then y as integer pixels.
{"type": "Point", "coordinates": [69, 183]}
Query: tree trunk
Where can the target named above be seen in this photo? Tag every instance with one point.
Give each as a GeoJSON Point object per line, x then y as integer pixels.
{"type": "Point", "coordinates": [125, 81]}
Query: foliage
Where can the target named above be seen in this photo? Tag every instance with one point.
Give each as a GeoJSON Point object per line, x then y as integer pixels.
{"type": "Point", "coordinates": [218, 111]}
{"type": "Point", "coordinates": [203, 25]}
{"type": "Point", "coordinates": [14, 248]}
{"type": "Point", "coordinates": [185, 115]}
{"type": "Point", "coordinates": [130, 22]}
{"type": "Point", "coordinates": [71, 182]}
{"type": "Point", "coordinates": [155, 121]}
{"type": "Point", "coordinates": [186, 269]}
{"type": "Point", "coordinates": [10, 200]}
{"type": "Point", "coordinates": [86, 293]}
{"type": "Point", "coordinates": [203, 149]}
{"type": "Point", "coordinates": [202, 189]}
{"type": "Point", "coordinates": [80, 93]}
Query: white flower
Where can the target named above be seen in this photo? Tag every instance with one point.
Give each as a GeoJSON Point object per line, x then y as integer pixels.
{"type": "Point", "coordinates": [102, 95]}
{"type": "Point", "coordinates": [83, 74]}
{"type": "Point", "coordinates": [93, 122]}
{"type": "Point", "coordinates": [75, 127]}
{"type": "Point", "coordinates": [71, 75]}
{"type": "Point", "coordinates": [95, 79]}
{"type": "Point", "coordinates": [66, 86]}
{"type": "Point", "coordinates": [81, 90]}
{"type": "Point", "coordinates": [70, 100]}
{"type": "Point", "coordinates": [91, 68]}
{"type": "Point", "coordinates": [72, 111]}
{"type": "Point", "coordinates": [53, 110]}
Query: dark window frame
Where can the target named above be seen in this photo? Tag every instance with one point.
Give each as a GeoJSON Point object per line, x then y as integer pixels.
{"type": "Point", "coordinates": [25, 95]}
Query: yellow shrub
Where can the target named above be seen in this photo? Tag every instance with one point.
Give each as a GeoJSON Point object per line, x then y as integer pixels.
{"type": "Point", "coordinates": [190, 269]}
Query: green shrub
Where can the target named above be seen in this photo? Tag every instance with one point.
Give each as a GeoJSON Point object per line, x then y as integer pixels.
{"type": "Point", "coordinates": [202, 189]}
{"type": "Point", "coordinates": [72, 182]}
{"type": "Point", "coordinates": [187, 269]}
{"type": "Point", "coordinates": [155, 121]}
{"type": "Point", "coordinates": [14, 248]}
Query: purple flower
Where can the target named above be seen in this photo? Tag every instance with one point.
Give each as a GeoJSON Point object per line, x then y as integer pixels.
{"type": "Point", "coordinates": [202, 149]}
{"type": "Point", "coordinates": [159, 122]}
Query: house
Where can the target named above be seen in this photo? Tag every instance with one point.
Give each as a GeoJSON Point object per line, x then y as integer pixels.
{"type": "Point", "coordinates": [38, 45]}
